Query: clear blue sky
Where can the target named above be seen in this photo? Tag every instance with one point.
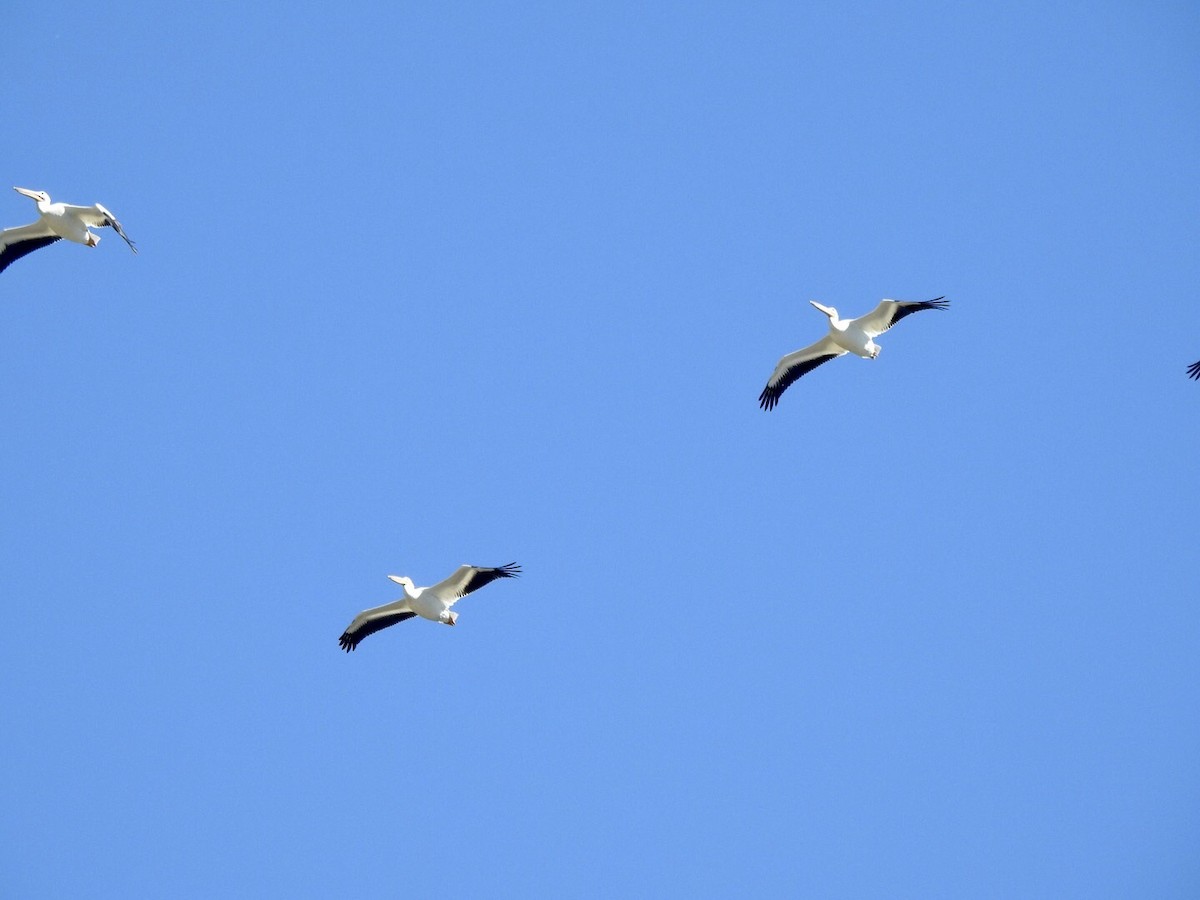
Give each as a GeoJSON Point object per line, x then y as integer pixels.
{"type": "Point", "coordinates": [438, 283]}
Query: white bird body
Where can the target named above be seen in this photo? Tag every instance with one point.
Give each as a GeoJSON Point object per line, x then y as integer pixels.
{"type": "Point", "coordinates": [849, 335]}
{"type": "Point", "coordinates": [427, 602]}
{"type": "Point", "coordinates": [855, 336]}
{"type": "Point", "coordinates": [56, 221]}
{"type": "Point", "coordinates": [432, 603]}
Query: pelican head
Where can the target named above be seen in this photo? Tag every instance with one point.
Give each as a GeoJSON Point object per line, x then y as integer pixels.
{"type": "Point", "coordinates": [402, 580]}
{"type": "Point", "coordinates": [828, 310]}
{"type": "Point", "coordinates": [39, 196]}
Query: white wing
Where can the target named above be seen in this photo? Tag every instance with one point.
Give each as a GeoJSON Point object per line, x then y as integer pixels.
{"type": "Point", "coordinates": [470, 578]}
{"type": "Point", "coordinates": [10, 236]}
{"type": "Point", "coordinates": [794, 365]}
{"type": "Point", "coordinates": [22, 240]}
{"type": "Point", "coordinates": [98, 217]}
{"type": "Point", "coordinates": [93, 216]}
{"type": "Point", "coordinates": [370, 621]}
{"type": "Point", "coordinates": [889, 312]}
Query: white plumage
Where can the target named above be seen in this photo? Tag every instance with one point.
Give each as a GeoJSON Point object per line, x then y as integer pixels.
{"type": "Point", "coordinates": [55, 222]}
{"type": "Point", "coordinates": [855, 336]}
{"type": "Point", "coordinates": [431, 603]}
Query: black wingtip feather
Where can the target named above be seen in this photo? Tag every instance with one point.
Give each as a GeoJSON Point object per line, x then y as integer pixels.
{"type": "Point", "coordinates": [351, 639]}
{"type": "Point", "coordinates": [1194, 371]}
{"type": "Point", "coordinates": [12, 253]}
{"type": "Point", "coordinates": [908, 308]}
{"type": "Point", "coordinates": [770, 395]}
{"type": "Point", "coordinates": [485, 575]}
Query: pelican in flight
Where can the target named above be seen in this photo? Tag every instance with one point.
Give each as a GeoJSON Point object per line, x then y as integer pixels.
{"type": "Point", "coordinates": [855, 336]}
{"type": "Point", "coordinates": [1194, 371]}
{"type": "Point", "coordinates": [431, 603]}
{"type": "Point", "coordinates": [56, 221]}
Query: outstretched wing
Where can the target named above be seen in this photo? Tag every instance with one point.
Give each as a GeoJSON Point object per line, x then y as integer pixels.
{"type": "Point", "coordinates": [889, 312]}
{"type": "Point", "coordinates": [370, 621]}
{"type": "Point", "coordinates": [98, 217]}
{"type": "Point", "coordinates": [471, 578]}
{"type": "Point", "coordinates": [23, 240]}
{"type": "Point", "coordinates": [793, 366]}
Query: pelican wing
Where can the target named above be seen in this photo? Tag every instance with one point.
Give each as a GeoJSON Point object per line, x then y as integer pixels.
{"type": "Point", "coordinates": [794, 365]}
{"type": "Point", "coordinates": [889, 312]}
{"type": "Point", "coordinates": [1194, 370]}
{"type": "Point", "coordinates": [98, 217]}
{"type": "Point", "coordinates": [471, 578]}
{"type": "Point", "coordinates": [370, 621]}
{"type": "Point", "coordinates": [22, 240]}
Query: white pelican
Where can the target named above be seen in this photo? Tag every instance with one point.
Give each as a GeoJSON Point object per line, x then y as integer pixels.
{"type": "Point", "coordinates": [56, 221]}
{"type": "Point", "coordinates": [1194, 371]}
{"type": "Point", "coordinates": [431, 603]}
{"type": "Point", "coordinates": [845, 336]}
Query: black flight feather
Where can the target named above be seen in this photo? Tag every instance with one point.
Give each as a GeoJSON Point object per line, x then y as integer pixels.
{"type": "Point", "coordinates": [771, 393]}
{"type": "Point", "coordinates": [350, 639]}
{"type": "Point", "coordinates": [482, 577]}
{"type": "Point", "coordinates": [907, 309]}
{"type": "Point", "coordinates": [13, 252]}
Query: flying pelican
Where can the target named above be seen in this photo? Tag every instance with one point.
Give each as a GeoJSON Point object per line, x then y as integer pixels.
{"type": "Point", "coordinates": [431, 603]}
{"type": "Point", "coordinates": [1194, 371]}
{"type": "Point", "coordinates": [845, 336]}
{"type": "Point", "coordinates": [56, 221]}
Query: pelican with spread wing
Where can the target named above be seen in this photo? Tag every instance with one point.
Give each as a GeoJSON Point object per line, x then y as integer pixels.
{"type": "Point", "coordinates": [55, 222]}
{"type": "Point", "coordinates": [855, 336]}
{"type": "Point", "coordinates": [431, 603]}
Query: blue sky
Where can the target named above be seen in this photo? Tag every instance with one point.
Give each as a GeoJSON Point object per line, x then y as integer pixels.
{"type": "Point", "coordinates": [429, 284]}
